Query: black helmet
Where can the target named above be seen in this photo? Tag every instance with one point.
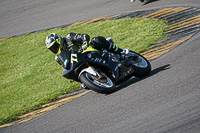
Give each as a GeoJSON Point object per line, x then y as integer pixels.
{"type": "Point", "coordinates": [54, 42]}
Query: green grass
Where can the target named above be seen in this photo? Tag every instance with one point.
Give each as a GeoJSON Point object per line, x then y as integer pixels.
{"type": "Point", "coordinates": [30, 76]}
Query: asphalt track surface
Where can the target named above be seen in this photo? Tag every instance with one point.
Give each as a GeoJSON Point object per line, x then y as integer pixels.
{"type": "Point", "coordinates": [165, 101]}
{"type": "Point", "coordinates": [24, 16]}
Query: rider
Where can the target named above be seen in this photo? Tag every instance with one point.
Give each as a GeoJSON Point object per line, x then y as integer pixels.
{"type": "Point", "coordinates": [56, 43]}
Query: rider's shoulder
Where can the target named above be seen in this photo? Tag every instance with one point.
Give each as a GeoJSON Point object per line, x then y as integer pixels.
{"type": "Point", "coordinates": [70, 35]}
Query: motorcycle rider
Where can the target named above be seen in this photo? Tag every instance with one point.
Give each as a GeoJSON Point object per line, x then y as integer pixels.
{"type": "Point", "coordinates": [56, 44]}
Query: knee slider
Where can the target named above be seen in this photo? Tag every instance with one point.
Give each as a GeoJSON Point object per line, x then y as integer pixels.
{"type": "Point", "coordinates": [95, 42]}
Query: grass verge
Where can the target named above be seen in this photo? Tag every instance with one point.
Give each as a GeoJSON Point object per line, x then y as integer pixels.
{"type": "Point", "coordinates": [30, 77]}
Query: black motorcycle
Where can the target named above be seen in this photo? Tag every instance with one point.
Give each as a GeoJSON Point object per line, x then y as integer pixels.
{"type": "Point", "coordinates": [102, 71]}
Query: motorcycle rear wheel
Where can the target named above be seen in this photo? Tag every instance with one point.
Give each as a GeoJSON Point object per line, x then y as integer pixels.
{"type": "Point", "coordinates": [105, 86]}
{"type": "Point", "coordinates": [141, 65]}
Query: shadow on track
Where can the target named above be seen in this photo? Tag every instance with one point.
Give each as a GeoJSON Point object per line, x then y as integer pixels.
{"type": "Point", "coordinates": [134, 79]}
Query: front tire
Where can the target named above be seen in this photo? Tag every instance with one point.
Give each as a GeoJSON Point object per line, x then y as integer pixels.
{"type": "Point", "coordinates": [105, 86]}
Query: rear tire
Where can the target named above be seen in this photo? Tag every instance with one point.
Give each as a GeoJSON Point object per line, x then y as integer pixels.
{"type": "Point", "coordinates": [142, 67]}
{"type": "Point", "coordinates": [104, 87]}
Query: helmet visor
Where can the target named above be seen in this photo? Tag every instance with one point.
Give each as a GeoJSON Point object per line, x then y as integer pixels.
{"type": "Point", "coordinates": [54, 48]}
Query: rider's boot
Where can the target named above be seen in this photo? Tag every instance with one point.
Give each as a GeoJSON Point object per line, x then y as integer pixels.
{"type": "Point", "coordinates": [125, 51]}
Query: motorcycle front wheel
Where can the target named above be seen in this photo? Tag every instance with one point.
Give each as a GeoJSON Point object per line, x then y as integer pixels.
{"type": "Point", "coordinates": [103, 85]}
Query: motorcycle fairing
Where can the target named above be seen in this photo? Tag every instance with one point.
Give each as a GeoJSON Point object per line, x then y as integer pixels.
{"type": "Point", "coordinates": [98, 59]}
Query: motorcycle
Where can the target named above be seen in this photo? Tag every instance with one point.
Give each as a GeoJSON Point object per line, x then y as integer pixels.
{"type": "Point", "coordinates": [102, 71]}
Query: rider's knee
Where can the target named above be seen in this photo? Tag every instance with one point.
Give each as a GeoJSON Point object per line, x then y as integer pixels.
{"type": "Point", "coordinates": [100, 43]}
{"type": "Point", "coordinates": [95, 42]}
